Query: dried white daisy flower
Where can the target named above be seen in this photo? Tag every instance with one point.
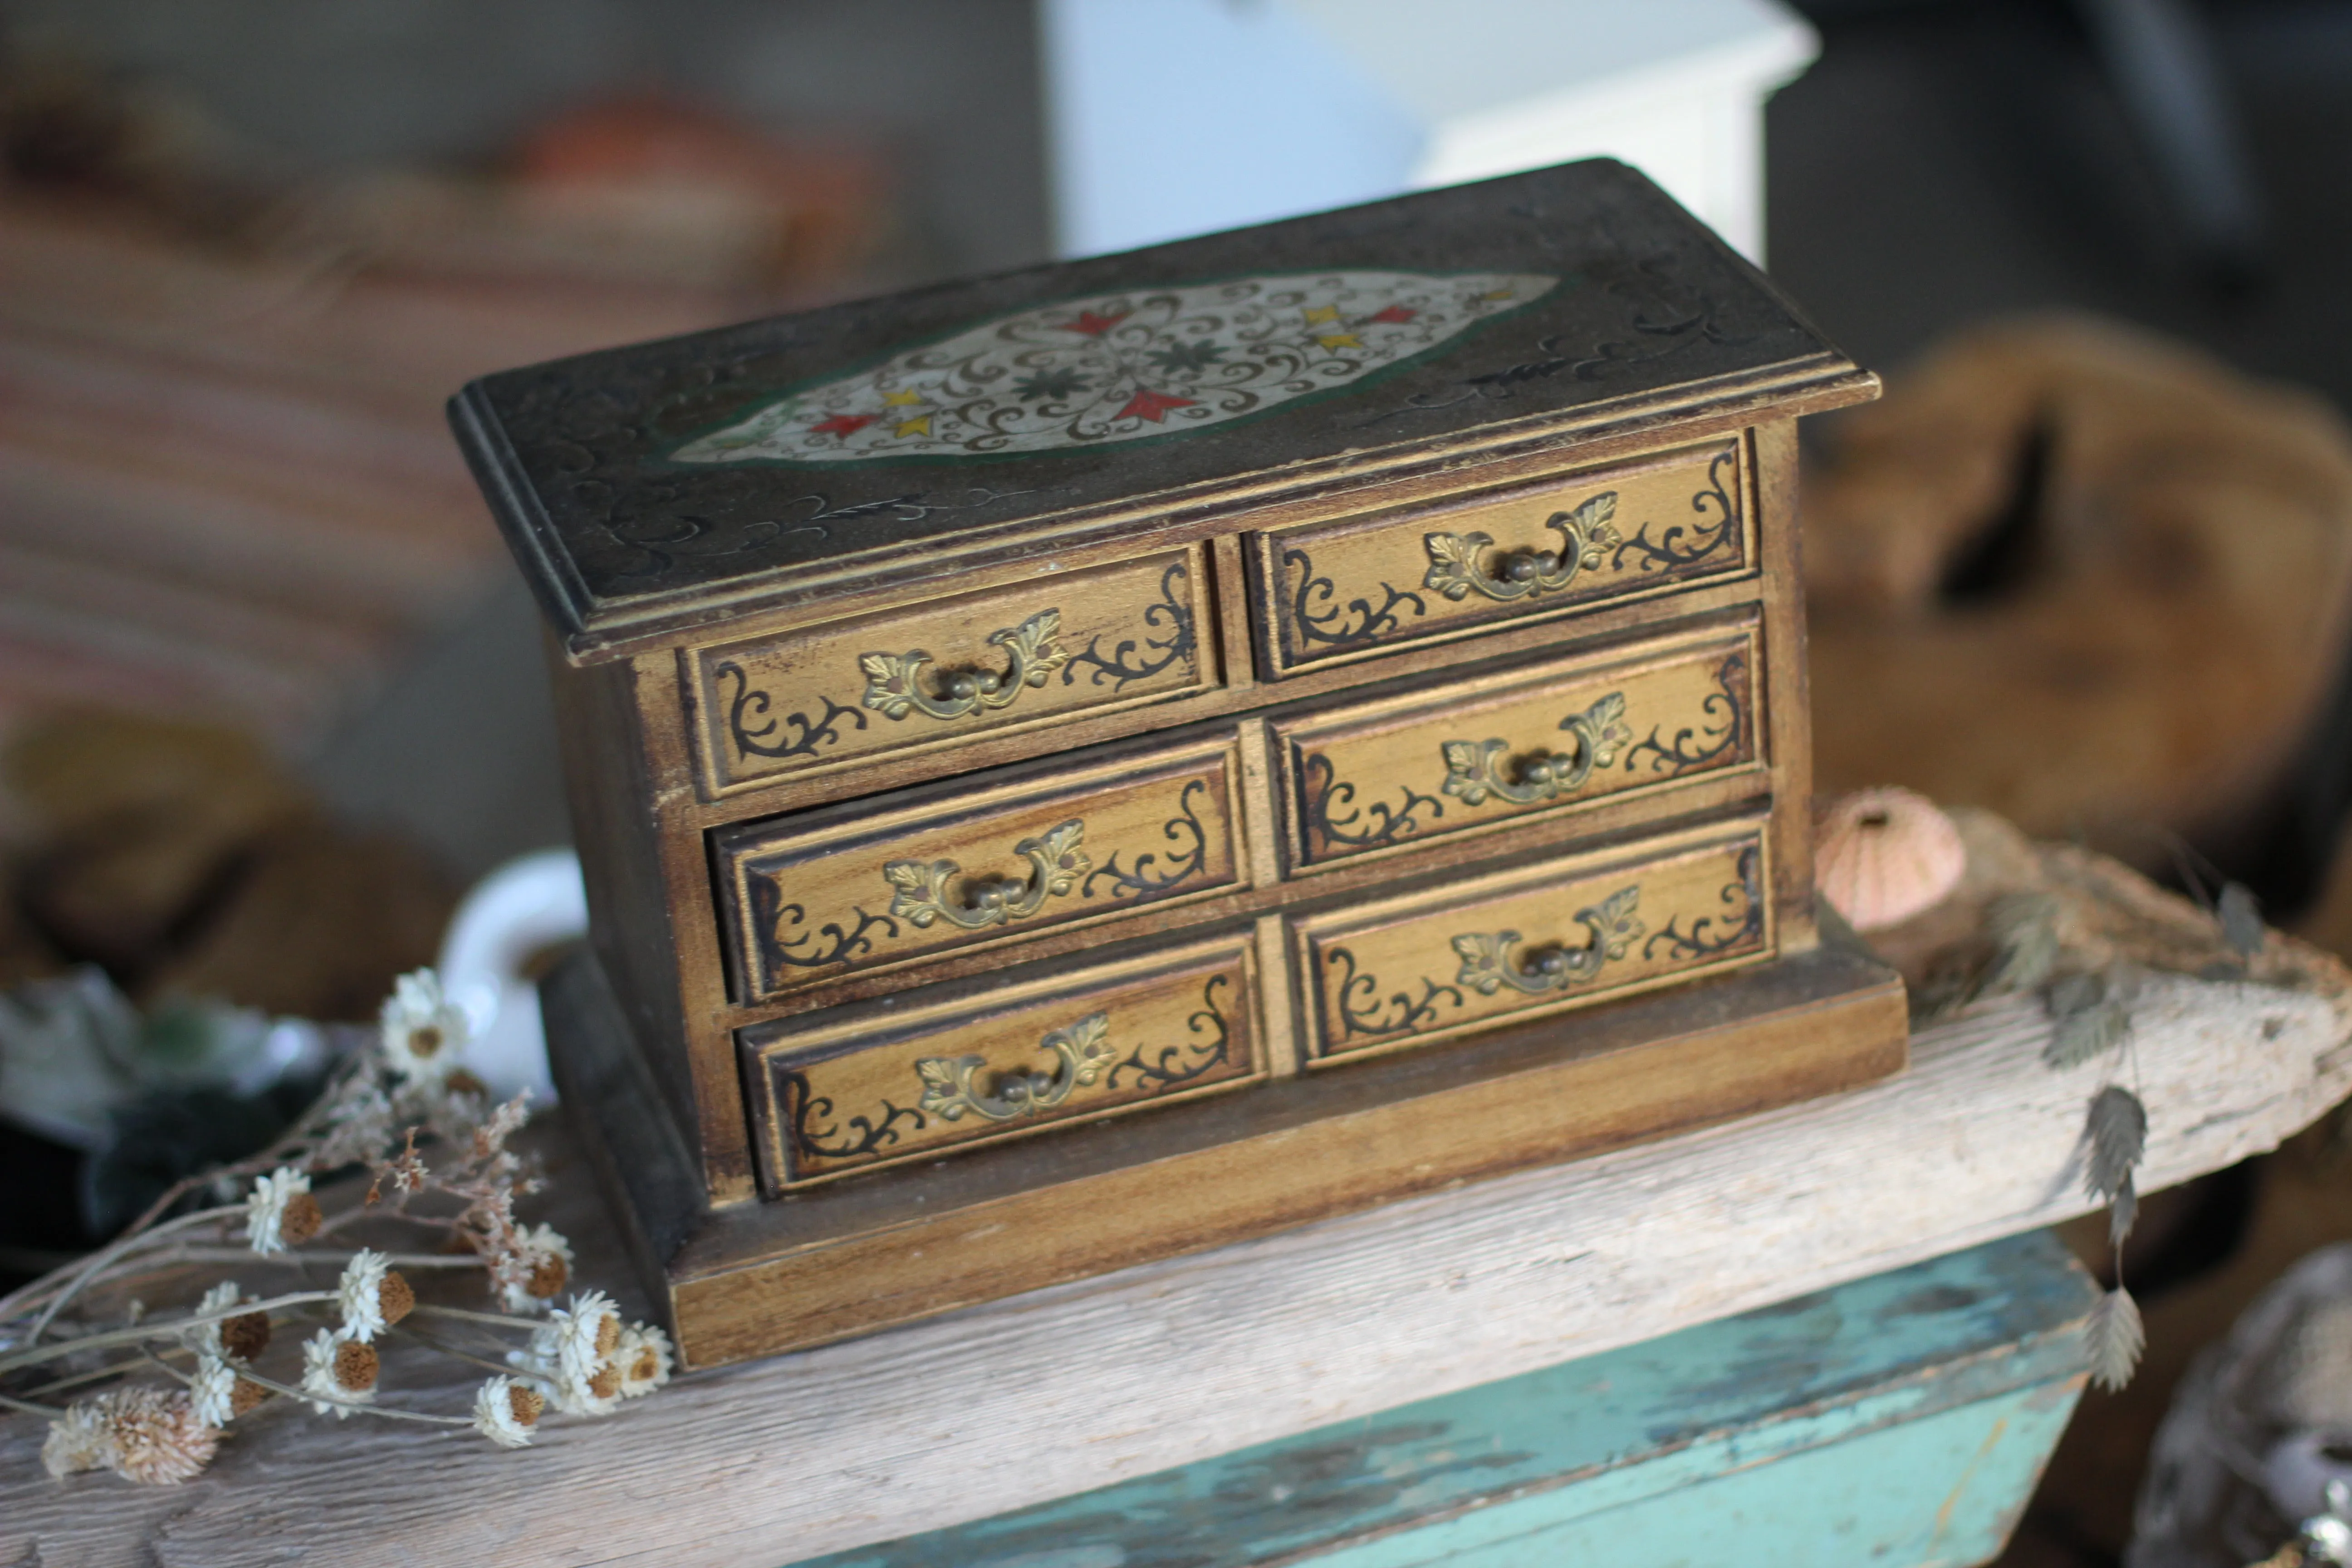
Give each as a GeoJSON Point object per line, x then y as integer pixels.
{"type": "Point", "coordinates": [505, 1411]}
{"type": "Point", "coordinates": [587, 1336]}
{"type": "Point", "coordinates": [422, 1031]}
{"type": "Point", "coordinates": [538, 1271]}
{"type": "Point", "coordinates": [643, 1359]}
{"type": "Point", "coordinates": [281, 1213]}
{"type": "Point", "coordinates": [153, 1435]}
{"type": "Point", "coordinates": [336, 1369]}
{"type": "Point", "coordinates": [373, 1296]}
{"type": "Point", "coordinates": [599, 1393]}
{"type": "Point", "coordinates": [212, 1391]}
{"type": "Point", "coordinates": [205, 1338]}
{"type": "Point", "coordinates": [578, 1381]}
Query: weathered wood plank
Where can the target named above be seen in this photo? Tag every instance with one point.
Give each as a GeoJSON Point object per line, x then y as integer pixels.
{"type": "Point", "coordinates": [1056, 1392]}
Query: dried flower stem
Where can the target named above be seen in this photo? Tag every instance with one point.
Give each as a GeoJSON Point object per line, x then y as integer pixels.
{"type": "Point", "coordinates": [114, 1369]}
{"type": "Point", "coordinates": [500, 1318]}
{"type": "Point", "coordinates": [248, 1257]}
{"type": "Point", "coordinates": [387, 1411]}
{"type": "Point", "coordinates": [9, 1307]}
{"type": "Point", "coordinates": [25, 1407]}
{"type": "Point", "coordinates": [157, 1329]}
{"type": "Point", "coordinates": [433, 1341]}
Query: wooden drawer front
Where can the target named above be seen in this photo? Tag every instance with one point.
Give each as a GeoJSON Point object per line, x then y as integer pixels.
{"type": "Point", "coordinates": [818, 894]}
{"type": "Point", "coordinates": [867, 1087]}
{"type": "Point", "coordinates": [938, 673]}
{"type": "Point", "coordinates": [1366, 778]}
{"type": "Point", "coordinates": [1540, 940]}
{"type": "Point", "coordinates": [1336, 590]}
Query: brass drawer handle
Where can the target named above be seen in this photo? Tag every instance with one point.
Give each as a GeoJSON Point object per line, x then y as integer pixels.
{"type": "Point", "coordinates": [1585, 534]}
{"type": "Point", "coordinates": [894, 680]}
{"type": "Point", "coordinates": [951, 1084]}
{"type": "Point", "coordinates": [1487, 965]}
{"type": "Point", "coordinates": [1473, 770]}
{"type": "Point", "coordinates": [919, 889]}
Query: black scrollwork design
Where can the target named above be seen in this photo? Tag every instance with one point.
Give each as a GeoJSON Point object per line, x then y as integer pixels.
{"type": "Point", "coordinates": [1684, 545]}
{"type": "Point", "coordinates": [1319, 618]}
{"type": "Point", "coordinates": [832, 942]}
{"type": "Point", "coordinates": [1363, 1011]}
{"type": "Point", "coordinates": [1711, 936]}
{"type": "Point", "coordinates": [1702, 745]}
{"type": "Point", "coordinates": [802, 734]}
{"type": "Point", "coordinates": [1666, 317]}
{"type": "Point", "coordinates": [1144, 880]}
{"type": "Point", "coordinates": [1125, 662]}
{"type": "Point", "coordinates": [816, 1133]}
{"type": "Point", "coordinates": [1170, 1066]}
{"type": "Point", "coordinates": [1382, 824]}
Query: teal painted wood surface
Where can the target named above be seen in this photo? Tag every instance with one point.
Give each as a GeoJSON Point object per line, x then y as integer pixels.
{"type": "Point", "coordinates": [1899, 1420]}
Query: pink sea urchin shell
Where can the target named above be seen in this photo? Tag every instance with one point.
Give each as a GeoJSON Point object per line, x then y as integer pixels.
{"type": "Point", "coordinates": [1884, 854]}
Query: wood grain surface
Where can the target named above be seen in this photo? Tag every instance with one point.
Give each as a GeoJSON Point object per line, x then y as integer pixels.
{"type": "Point", "coordinates": [1062, 1390]}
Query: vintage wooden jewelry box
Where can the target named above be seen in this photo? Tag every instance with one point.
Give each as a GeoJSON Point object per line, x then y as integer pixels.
{"type": "Point", "coordinates": [1109, 759]}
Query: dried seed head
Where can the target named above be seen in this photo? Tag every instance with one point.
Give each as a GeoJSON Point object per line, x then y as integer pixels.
{"type": "Point", "coordinates": [548, 1276]}
{"type": "Point", "coordinates": [525, 1404]}
{"type": "Point", "coordinates": [606, 1383]}
{"type": "Point", "coordinates": [244, 1336]}
{"type": "Point", "coordinates": [608, 1334]}
{"type": "Point", "coordinates": [153, 1435]}
{"type": "Point", "coordinates": [396, 1298]}
{"type": "Point", "coordinates": [356, 1365]}
{"type": "Point", "coordinates": [461, 1081]}
{"type": "Point", "coordinates": [245, 1396]}
{"type": "Point", "coordinates": [301, 1220]}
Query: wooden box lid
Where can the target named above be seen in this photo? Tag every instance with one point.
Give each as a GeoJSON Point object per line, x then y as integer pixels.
{"type": "Point", "coordinates": [653, 490]}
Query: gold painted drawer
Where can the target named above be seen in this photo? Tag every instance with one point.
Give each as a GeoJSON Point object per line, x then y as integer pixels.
{"type": "Point", "coordinates": [1336, 590]}
{"type": "Point", "coordinates": [1369, 778]}
{"type": "Point", "coordinates": [882, 1084]}
{"type": "Point", "coordinates": [816, 894]}
{"type": "Point", "coordinates": [1534, 940]}
{"type": "Point", "coordinates": [940, 672]}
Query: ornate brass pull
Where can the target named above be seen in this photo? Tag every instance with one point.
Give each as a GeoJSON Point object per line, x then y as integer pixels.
{"type": "Point", "coordinates": [1585, 534]}
{"type": "Point", "coordinates": [1473, 773]}
{"type": "Point", "coordinates": [951, 1084]}
{"type": "Point", "coordinates": [920, 890]}
{"type": "Point", "coordinates": [894, 680]}
{"type": "Point", "coordinates": [1487, 965]}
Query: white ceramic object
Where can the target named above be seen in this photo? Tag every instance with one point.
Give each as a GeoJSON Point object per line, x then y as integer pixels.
{"type": "Point", "coordinates": [1184, 117]}
{"type": "Point", "coordinates": [517, 911]}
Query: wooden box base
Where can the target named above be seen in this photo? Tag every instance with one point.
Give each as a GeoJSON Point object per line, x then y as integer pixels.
{"type": "Point", "coordinates": [757, 1278]}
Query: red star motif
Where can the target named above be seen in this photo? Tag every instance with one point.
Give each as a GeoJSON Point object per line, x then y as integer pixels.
{"type": "Point", "coordinates": [1153, 405]}
{"type": "Point", "coordinates": [1396, 315]}
{"type": "Point", "coordinates": [1094, 326]}
{"type": "Point", "coordinates": [843, 424]}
